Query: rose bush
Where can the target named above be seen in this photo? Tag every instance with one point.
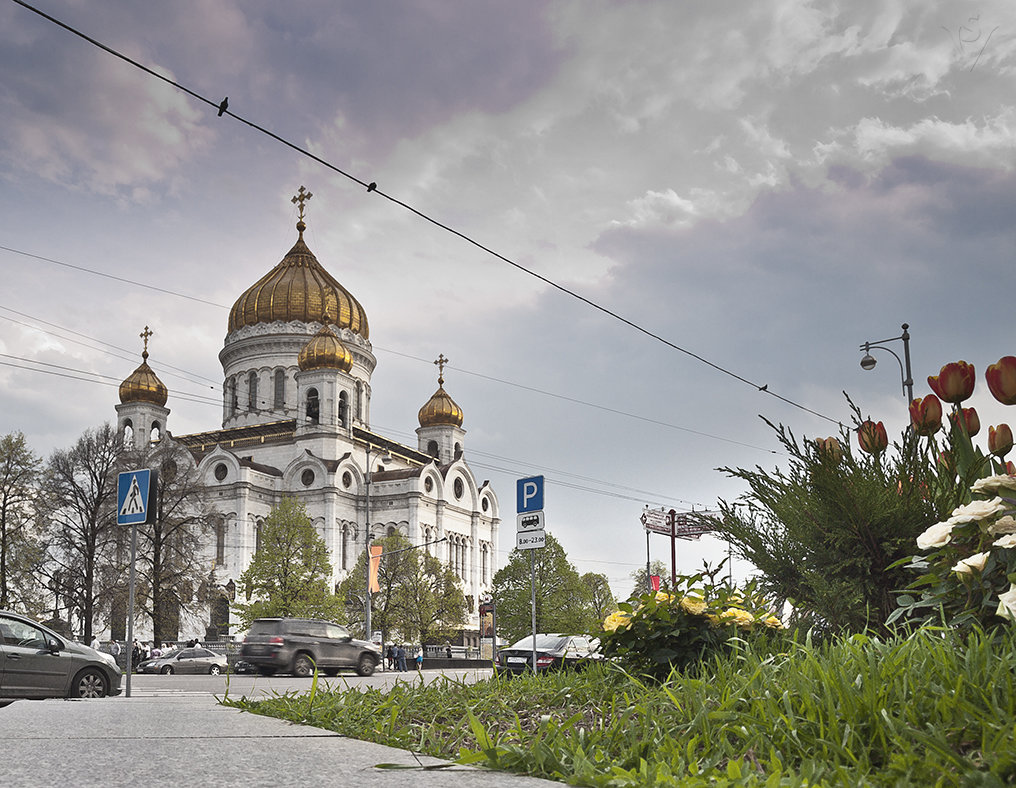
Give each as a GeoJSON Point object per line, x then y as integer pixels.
{"type": "Point", "coordinates": [657, 632]}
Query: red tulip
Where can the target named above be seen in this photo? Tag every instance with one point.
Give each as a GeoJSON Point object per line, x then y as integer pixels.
{"type": "Point", "coordinates": [829, 447]}
{"type": "Point", "coordinates": [1000, 440]}
{"type": "Point", "coordinates": [1001, 379]}
{"type": "Point", "coordinates": [872, 438]}
{"type": "Point", "coordinates": [926, 415]}
{"type": "Point", "coordinates": [954, 382]}
{"type": "Point", "coordinates": [970, 420]}
{"type": "Point", "coordinates": [1010, 468]}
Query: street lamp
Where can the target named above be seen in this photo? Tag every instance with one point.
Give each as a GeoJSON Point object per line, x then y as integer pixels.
{"type": "Point", "coordinates": [384, 459]}
{"type": "Point", "coordinates": [868, 361]}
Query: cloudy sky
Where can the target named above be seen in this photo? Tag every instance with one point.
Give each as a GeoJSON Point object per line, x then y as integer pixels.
{"type": "Point", "coordinates": [763, 184]}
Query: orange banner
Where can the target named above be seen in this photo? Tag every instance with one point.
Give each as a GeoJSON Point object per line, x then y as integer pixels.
{"type": "Point", "coordinates": [375, 562]}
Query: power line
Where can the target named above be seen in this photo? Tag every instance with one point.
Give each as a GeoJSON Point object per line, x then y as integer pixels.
{"type": "Point", "coordinates": [221, 109]}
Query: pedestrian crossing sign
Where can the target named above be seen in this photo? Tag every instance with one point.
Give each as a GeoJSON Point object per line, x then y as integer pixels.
{"type": "Point", "coordinates": [133, 489]}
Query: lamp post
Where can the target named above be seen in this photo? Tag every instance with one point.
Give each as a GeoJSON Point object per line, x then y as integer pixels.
{"type": "Point", "coordinates": [868, 361]}
{"type": "Point", "coordinates": [385, 459]}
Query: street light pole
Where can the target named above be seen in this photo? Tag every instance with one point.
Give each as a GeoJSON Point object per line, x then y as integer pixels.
{"type": "Point", "coordinates": [907, 378]}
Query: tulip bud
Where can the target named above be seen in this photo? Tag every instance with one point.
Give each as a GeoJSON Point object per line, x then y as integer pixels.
{"type": "Point", "coordinates": [1000, 440]}
{"type": "Point", "coordinates": [1001, 379]}
{"type": "Point", "coordinates": [1010, 468]}
{"type": "Point", "coordinates": [971, 421]}
{"type": "Point", "coordinates": [872, 438]}
{"type": "Point", "coordinates": [954, 382]}
{"type": "Point", "coordinates": [829, 448]}
{"type": "Point", "coordinates": [926, 415]}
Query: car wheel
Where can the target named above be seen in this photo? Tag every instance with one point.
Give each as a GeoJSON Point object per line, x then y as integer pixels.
{"type": "Point", "coordinates": [365, 666]}
{"type": "Point", "coordinates": [90, 684]}
{"type": "Point", "coordinates": [303, 666]}
{"type": "Point", "coordinates": [214, 670]}
{"type": "Point", "coordinates": [167, 670]}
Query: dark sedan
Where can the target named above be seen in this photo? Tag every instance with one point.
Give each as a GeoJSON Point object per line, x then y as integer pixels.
{"type": "Point", "coordinates": [186, 660]}
{"type": "Point", "coordinates": [36, 662]}
{"type": "Point", "coordinates": [553, 651]}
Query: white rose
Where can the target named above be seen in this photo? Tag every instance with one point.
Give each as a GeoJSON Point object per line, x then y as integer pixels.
{"type": "Point", "coordinates": [1007, 541]}
{"type": "Point", "coordinates": [936, 536]}
{"type": "Point", "coordinates": [1007, 604]}
{"type": "Point", "coordinates": [968, 565]}
{"type": "Point", "coordinates": [992, 484]}
{"type": "Point", "coordinates": [1003, 525]}
{"type": "Point", "coordinates": [977, 510]}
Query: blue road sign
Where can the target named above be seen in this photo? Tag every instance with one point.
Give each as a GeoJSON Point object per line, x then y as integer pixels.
{"type": "Point", "coordinates": [132, 489]}
{"type": "Point", "coordinates": [529, 494]}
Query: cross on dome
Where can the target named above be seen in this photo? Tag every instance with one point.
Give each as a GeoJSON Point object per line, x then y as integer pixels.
{"type": "Point", "coordinates": [145, 336]}
{"type": "Point", "coordinates": [441, 361]}
{"type": "Point", "coordinates": [301, 198]}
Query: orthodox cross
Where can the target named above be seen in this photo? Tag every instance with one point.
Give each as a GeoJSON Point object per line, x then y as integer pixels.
{"type": "Point", "coordinates": [301, 198]}
{"type": "Point", "coordinates": [441, 361]}
{"type": "Point", "coordinates": [145, 335]}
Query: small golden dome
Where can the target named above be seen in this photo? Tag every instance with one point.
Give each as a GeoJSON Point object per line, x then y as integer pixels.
{"type": "Point", "coordinates": [325, 351]}
{"type": "Point", "coordinates": [300, 289]}
{"type": "Point", "coordinates": [440, 408]}
{"type": "Point", "coordinates": [143, 385]}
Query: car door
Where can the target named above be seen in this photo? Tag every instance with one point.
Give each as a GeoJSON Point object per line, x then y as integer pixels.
{"type": "Point", "coordinates": [341, 653]}
{"type": "Point", "coordinates": [31, 668]}
{"type": "Point", "coordinates": [186, 661]}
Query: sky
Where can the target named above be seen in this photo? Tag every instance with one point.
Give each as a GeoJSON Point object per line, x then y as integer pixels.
{"type": "Point", "coordinates": [754, 188]}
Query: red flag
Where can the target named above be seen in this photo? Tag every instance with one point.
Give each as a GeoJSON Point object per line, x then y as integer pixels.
{"type": "Point", "coordinates": [654, 581]}
{"type": "Point", "coordinates": [375, 562]}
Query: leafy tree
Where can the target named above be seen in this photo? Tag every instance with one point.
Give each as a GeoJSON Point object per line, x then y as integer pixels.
{"type": "Point", "coordinates": [290, 574]}
{"type": "Point", "coordinates": [80, 515]}
{"type": "Point", "coordinates": [19, 467]}
{"type": "Point", "coordinates": [640, 581]}
{"type": "Point", "coordinates": [826, 531]}
{"type": "Point", "coordinates": [601, 598]}
{"type": "Point", "coordinates": [419, 595]}
{"type": "Point", "coordinates": [562, 599]}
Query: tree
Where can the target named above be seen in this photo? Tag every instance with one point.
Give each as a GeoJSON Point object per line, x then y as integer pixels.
{"type": "Point", "coordinates": [562, 601]}
{"type": "Point", "coordinates": [641, 583]}
{"type": "Point", "coordinates": [19, 467]}
{"type": "Point", "coordinates": [601, 598]}
{"type": "Point", "coordinates": [827, 531]}
{"type": "Point", "coordinates": [418, 593]}
{"type": "Point", "coordinates": [290, 574]}
{"type": "Point", "coordinates": [80, 515]}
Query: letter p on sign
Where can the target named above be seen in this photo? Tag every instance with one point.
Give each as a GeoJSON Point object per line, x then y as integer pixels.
{"type": "Point", "coordinates": [529, 494]}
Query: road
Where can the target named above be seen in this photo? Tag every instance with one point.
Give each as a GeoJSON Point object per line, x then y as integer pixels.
{"type": "Point", "coordinates": [147, 686]}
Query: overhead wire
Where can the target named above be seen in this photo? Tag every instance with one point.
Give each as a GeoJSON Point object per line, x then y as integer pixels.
{"type": "Point", "coordinates": [372, 187]}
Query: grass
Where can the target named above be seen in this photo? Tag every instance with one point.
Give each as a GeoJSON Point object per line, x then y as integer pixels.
{"type": "Point", "coordinates": [925, 710]}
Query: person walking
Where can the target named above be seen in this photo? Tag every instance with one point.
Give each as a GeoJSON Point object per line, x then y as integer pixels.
{"type": "Point", "coordinates": [390, 656]}
{"type": "Point", "coordinates": [400, 657]}
{"type": "Point", "coordinates": [419, 661]}
{"type": "Point", "coordinates": [96, 644]}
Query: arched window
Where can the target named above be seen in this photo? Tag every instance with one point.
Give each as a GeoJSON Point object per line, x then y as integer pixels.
{"type": "Point", "coordinates": [234, 398]}
{"type": "Point", "coordinates": [458, 450]}
{"type": "Point", "coordinates": [220, 542]}
{"type": "Point", "coordinates": [257, 536]}
{"type": "Point", "coordinates": [313, 407]}
{"type": "Point", "coordinates": [252, 391]}
{"type": "Point", "coordinates": [345, 545]}
{"type": "Point", "coordinates": [343, 408]}
{"type": "Point", "coordinates": [156, 432]}
{"type": "Point", "coordinates": [432, 449]}
{"type": "Point", "coordinates": [359, 400]}
{"type": "Point", "coordinates": [128, 433]}
{"type": "Point", "coordinates": [280, 390]}
{"type": "Point", "coordinates": [485, 567]}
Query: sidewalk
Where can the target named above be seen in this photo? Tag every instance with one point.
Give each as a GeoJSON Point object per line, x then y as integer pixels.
{"type": "Point", "coordinates": [189, 739]}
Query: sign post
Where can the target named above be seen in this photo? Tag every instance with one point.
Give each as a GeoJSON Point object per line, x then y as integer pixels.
{"type": "Point", "coordinates": [676, 526]}
{"type": "Point", "coordinates": [530, 536]}
{"type": "Point", "coordinates": [135, 504]}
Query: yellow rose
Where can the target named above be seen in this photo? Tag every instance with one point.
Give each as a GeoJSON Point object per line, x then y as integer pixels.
{"type": "Point", "coordinates": [618, 619]}
{"type": "Point", "coordinates": [663, 596]}
{"type": "Point", "coordinates": [693, 605]}
{"type": "Point", "coordinates": [773, 623]}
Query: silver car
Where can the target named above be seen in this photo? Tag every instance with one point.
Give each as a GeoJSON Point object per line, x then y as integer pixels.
{"type": "Point", "coordinates": [186, 660]}
{"type": "Point", "coordinates": [36, 662]}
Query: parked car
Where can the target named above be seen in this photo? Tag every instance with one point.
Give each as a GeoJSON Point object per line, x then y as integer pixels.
{"type": "Point", "coordinates": [553, 652]}
{"type": "Point", "coordinates": [296, 645]}
{"type": "Point", "coordinates": [36, 662]}
{"type": "Point", "coordinates": [186, 660]}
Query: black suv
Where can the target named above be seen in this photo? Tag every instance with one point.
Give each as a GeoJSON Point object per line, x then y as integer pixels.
{"type": "Point", "coordinates": [296, 645]}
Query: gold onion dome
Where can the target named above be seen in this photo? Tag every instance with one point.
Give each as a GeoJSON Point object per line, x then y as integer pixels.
{"type": "Point", "coordinates": [143, 385]}
{"type": "Point", "coordinates": [325, 351]}
{"type": "Point", "coordinates": [300, 289]}
{"type": "Point", "coordinates": [440, 408]}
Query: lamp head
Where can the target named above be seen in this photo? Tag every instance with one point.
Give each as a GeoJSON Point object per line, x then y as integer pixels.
{"type": "Point", "coordinates": [868, 362]}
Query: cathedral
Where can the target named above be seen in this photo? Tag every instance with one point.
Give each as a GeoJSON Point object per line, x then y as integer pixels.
{"type": "Point", "coordinates": [297, 365]}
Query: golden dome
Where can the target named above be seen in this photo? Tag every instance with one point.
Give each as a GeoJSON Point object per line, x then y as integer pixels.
{"type": "Point", "coordinates": [440, 408]}
{"type": "Point", "coordinates": [143, 385]}
{"type": "Point", "coordinates": [299, 288]}
{"type": "Point", "coordinates": [325, 351]}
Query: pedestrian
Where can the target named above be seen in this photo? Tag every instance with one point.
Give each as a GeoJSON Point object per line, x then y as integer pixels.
{"type": "Point", "coordinates": [448, 650]}
{"type": "Point", "coordinates": [135, 655]}
{"type": "Point", "coordinates": [96, 643]}
{"type": "Point", "coordinates": [400, 657]}
{"type": "Point", "coordinates": [419, 661]}
{"type": "Point", "coordinates": [114, 649]}
{"type": "Point", "coordinates": [390, 656]}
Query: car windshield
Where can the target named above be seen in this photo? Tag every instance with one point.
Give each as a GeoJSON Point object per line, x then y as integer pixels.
{"type": "Point", "coordinates": [263, 628]}
{"type": "Point", "coordinates": [543, 643]}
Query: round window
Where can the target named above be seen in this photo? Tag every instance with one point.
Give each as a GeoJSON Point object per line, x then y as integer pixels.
{"type": "Point", "coordinates": [307, 477]}
{"type": "Point", "coordinates": [428, 484]}
{"type": "Point", "coordinates": [347, 480]}
{"type": "Point", "coordinates": [485, 504]}
{"type": "Point", "coordinates": [220, 471]}
{"type": "Point", "coordinates": [458, 488]}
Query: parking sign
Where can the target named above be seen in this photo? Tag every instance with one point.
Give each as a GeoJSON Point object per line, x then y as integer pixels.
{"type": "Point", "coordinates": [529, 494]}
